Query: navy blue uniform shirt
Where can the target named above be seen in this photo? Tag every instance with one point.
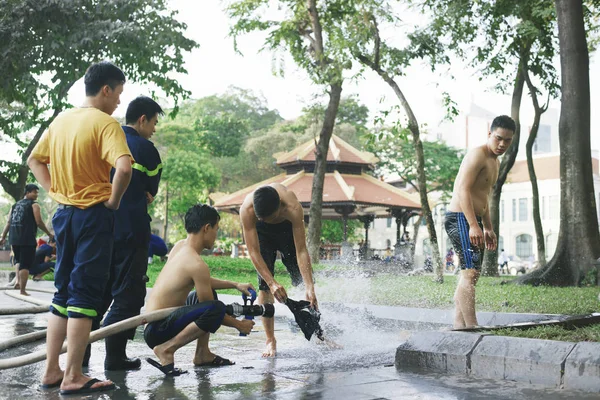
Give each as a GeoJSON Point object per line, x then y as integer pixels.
{"type": "Point", "coordinates": [132, 222]}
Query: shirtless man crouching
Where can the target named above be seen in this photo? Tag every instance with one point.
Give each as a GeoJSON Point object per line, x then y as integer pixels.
{"type": "Point", "coordinates": [469, 209]}
{"type": "Point", "coordinates": [185, 270]}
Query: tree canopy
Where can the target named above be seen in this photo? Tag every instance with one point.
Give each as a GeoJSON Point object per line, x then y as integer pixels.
{"type": "Point", "coordinates": [47, 46]}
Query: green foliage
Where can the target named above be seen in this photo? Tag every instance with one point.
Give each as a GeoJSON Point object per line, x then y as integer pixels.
{"type": "Point", "coordinates": [223, 126]}
{"type": "Point", "coordinates": [320, 54]}
{"type": "Point", "coordinates": [230, 269]}
{"type": "Point", "coordinates": [397, 155]}
{"type": "Point", "coordinates": [188, 178]}
{"type": "Point", "coordinates": [498, 36]}
{"type": "Point", "coordinates": [332, 231]}
{"type": "Point", "coordinates": [585, 334]}
{"type": "Point", "coordinates": [47, 45]}
{"type": "Point", "coordinates": [221, 136]}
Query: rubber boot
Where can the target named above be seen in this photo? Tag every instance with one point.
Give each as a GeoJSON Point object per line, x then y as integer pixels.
{"type": "Point", "coordinates": [116, 358]}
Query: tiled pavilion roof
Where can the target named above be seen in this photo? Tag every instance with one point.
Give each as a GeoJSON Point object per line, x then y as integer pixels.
{"type": "Point", "coordinates": [368, 195]}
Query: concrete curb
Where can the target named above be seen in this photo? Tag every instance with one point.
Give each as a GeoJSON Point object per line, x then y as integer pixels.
{"type": "Point", "coordinates": [553, 364]}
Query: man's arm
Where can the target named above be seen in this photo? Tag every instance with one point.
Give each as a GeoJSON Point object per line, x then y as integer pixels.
{"type": "Point", "coordinates": [40, 171]}
{"type": "Point", "coordinates": [473, 164]}
{"type": "Point", "coordinates": [491, 241]}
{"type": "Point", "coordinates": [202, 283]}
{"type": "Point", "coordinates": [6, 228]}
{"type": "Point", "coordinates": [120, 182]}
{"type": "Point", "coordinates": [217, 284]}
{"type": "Point", "coordinates": [37, 214]}
{"type": "Point", "coordinates": [302, 256]}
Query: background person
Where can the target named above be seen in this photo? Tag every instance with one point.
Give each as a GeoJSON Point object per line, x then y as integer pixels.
{"type": "Point", "coordinates": [23, 222]}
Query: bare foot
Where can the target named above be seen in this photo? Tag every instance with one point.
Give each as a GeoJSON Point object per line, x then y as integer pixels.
{"type": "Point", "coordinates": [52, 377]}
{"type": "Point", "coordinates": [24, 293]}
{"type": "Point", "coordinates": [204, 358]}
{"type": "Point", "coordinates": [271, 349]}
{"type": "Point", "coordinates": [165, 356]}
{"type": "Point", "coordinates": [77, 383]}
{"type": "Point", "coordinates": [17, 286]}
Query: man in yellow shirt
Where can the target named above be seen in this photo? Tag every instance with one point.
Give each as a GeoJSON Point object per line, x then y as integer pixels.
{"type": "Point", "coordinates": [81, 146]}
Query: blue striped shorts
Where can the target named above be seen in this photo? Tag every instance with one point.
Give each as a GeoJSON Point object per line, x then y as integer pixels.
{"type": "Point", "coordinates": [457, 228]}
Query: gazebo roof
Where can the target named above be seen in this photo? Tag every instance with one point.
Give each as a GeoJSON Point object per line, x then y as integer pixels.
{"type": "Point", "coordinates": [339, 152]}
{"type": "Point", "coordinates": [369, 195]}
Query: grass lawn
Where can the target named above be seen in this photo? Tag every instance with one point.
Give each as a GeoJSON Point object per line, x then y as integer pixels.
{"type": "Point", "coordinates": [421, 291]}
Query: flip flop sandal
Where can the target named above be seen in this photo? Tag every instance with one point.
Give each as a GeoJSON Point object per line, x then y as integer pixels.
{"type": "Point", "coordinates": [87, 388]}
{"type": "Point", "coordinates": [168, 370]}
{"type": "Point", "coordinates": [217, 362]}
{"type": "Point", "coordinates": [51, 385]}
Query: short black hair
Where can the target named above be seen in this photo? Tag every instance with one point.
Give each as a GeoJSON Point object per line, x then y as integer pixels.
{"type": "Point", "coordinates": [100, 74]}
{"type": "Point", "coordinates": [30, 188]}
{"type": "Point", "coordinates": [504, 122]}
{"type": "Point", "coordinates": [142, 105]}
{"type": "Point", "coordinates": [266, 201]}
{"type": "Point", "coordinates": [198, 215]}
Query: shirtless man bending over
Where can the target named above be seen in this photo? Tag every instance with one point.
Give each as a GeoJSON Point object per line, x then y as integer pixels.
{"type": "Point", "coordinates": [203, 314]}
{"type": "Point", "coordinates": [273, 220]}
{"type": "Point", "coordinates": [469, 208]}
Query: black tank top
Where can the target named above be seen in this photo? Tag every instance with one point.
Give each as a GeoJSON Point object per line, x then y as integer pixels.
{"type": "Point", "coordinates": [23, 227]}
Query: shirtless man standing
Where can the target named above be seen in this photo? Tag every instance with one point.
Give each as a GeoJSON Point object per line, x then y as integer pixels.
{"type": "Point", "coordinates": [469, 208]}
{"type": "Point", "coordinates": [273, 220]}
{"type": "Point", "coordinates": [203, 315]}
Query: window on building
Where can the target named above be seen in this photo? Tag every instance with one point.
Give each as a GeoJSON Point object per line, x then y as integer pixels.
{"type": "Point", "coordinates": [553, 207]}
{"type": "Point", "coordinates": [543, 141]}
{"type": "Point", "coordinates": [551, 241]}
{"type": "Point", "coordinates": [514, 210]}
{"type": "Point", "coordinates": [388, 244]}
{"type": "Point", "coordinates": [500, 243]}
{"type": "Point", "coordinates": [501, 210]}
{"type": "Point", "coordinates": [523, 209]}
{"type": "Point", "coordinates": [389, 223]}
{"type": "Point", "coordinates": [524, 246]}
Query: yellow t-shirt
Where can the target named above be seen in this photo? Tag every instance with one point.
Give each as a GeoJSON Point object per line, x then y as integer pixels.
{"type": "Point", "coordinates": [81, 145]}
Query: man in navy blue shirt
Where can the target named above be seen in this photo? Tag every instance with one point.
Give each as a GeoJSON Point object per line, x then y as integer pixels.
{"type": "Point", "coordinates": [44, 256]}
{"type": "Point", "coordinates": [127, 285]}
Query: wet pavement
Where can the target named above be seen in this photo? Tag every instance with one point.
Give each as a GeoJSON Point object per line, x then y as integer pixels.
{"type": "Point", "coordinates": [363, 369]}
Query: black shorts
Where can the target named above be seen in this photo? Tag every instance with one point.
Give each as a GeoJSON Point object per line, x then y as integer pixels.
{"type": "Point", "coordinates": [207, 315]}
{"type": "Point", "coordinates": [273, 238]}
{"type": "Point", "coordinates": [457, 228]}
{"type": "Point", "coordinates": [24, 256]}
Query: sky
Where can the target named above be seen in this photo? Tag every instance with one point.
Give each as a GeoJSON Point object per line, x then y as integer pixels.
{"type": "Point", "coordinates": [215, 66]}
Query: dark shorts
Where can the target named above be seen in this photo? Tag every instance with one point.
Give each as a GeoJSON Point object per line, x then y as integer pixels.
{"type": "Point", "coordinates": [43, 267]}
{"type": "Point", "coordinates": [273, 238]}
{"type": "Point", "coordinates": [84, 246]}
{"type": "Point", "coordinates": [458, 231]}
{"type": "Point", "coordinates": [207, 315]}
{"type": "Point", "coordinates": [24, 256]}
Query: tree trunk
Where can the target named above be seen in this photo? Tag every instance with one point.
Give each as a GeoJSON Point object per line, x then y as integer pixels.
{"type": "Point", "coordinates": [413, 126]}
{"type": "Point", "coordinates": [578, 239]}
{"type": "Point", "coordinates": [416, 228]}
{"type": "Point", "coordinates": [321, 149]}
{"type": "Point", "coordinates": [490, 258]}
{"type": "Point", "coordinates": [537, 220]}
